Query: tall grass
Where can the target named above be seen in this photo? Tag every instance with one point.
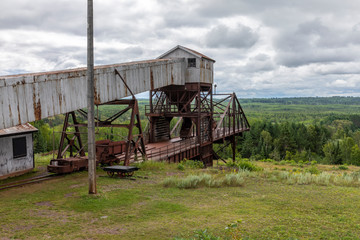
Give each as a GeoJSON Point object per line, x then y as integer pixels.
{"type": "Point", "coordinates": [205, 180]}
{"type": "Point", "coordinates": [323, 179]}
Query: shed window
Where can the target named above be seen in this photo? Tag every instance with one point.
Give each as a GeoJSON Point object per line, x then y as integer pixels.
{"type": "Point", "coordinates": [19, 147]}
{"type": "Point", "coordinates": [191, 62]}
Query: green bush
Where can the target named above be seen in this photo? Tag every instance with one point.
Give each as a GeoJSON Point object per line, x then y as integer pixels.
{"type": "Point", "coordinates": [313, 170]}
{"type": "Point", "coordinates": [266, 160]}
{"type": "Point", "coordinates": [243, 164]}
{"type": "Point", "coordinates": [192, 164]}
{"type": "Point", "coordinates": [181, 166]}
{"type": "Point", "coordinates": [343, 167]}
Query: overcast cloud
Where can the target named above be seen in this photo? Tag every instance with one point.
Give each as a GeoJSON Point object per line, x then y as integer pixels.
{"type": "Point", "coordinates": [262, 48]}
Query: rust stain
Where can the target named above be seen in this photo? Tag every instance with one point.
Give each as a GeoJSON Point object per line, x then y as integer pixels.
{"type": "Point", "coordinates": [10, 112]}
{"type": "Point", "coordinates": [18, 108]}
{"type": "Point", "coordinates": [151, 79]}
{"type": "Point", "coordinates": [18, 129]}
{"type": "Point", "coordinates": [126, 90]}
{"type": "Point", "coordinates": [60, 100]}
{"type": "Point", "coordinates": [96, 94]}
{"type": "Point", "coordinates": [37, 110]}
{"type": "Point", "coordinates": [37, 106]}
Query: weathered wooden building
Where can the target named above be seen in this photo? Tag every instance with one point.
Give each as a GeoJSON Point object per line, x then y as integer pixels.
{"type": "Point", "coordinates": [16, 150]}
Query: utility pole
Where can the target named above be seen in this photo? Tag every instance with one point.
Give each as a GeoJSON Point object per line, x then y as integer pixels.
{"type": "Point", "coordinates": [90, 99]}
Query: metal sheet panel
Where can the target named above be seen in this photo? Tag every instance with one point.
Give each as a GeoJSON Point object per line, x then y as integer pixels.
{"type": "Point", "coordinates": [28, 97]}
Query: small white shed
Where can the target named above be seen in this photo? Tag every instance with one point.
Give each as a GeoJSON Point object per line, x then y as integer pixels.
{"type": "Point", "coordinates": [16, 150]}
{"type": "Point", "coordinates": [200, 68]}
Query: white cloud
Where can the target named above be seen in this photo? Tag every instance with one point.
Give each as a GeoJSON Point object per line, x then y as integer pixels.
{"type": "Point", "coordinates": [262, 48]}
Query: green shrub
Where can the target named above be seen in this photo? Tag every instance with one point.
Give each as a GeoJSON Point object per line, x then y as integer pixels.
{"type": "Point", "coordinates": [313, 170]}
{"type": "Point", "coordinates": [192, 164]}
{"type": "Point", "coordinates": [181, 166]}
{"type": "Point", "coordinates": [243, 164]}
{"type": "Point", "coordinates": [293, 163]}
{"type": "Point", "coordinates": [266, 160]}
{"type": "Point", "coordinates": [343, 167]}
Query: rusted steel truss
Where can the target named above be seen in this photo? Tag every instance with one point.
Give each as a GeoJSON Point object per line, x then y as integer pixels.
{"type": "Point", "coordinates": [192, 103]}
{"type": "Point", "coordinates": [230, 120]}
{"type": "Point", "coordinates": [129, 148]}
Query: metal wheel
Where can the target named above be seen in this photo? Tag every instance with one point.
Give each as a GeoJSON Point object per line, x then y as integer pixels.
{"type": "Point", "coordinates": [110, 174]}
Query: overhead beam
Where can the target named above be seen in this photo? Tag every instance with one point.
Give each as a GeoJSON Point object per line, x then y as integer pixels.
{"type": "Point", "coordinates": [29, 97]}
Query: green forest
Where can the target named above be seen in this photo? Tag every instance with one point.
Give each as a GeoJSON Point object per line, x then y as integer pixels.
{"type": "Point", "coordinates": [321, 129]}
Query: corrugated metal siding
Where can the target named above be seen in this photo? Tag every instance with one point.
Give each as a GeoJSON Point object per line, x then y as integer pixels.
{"type": "Point", "coordinates": [29, 97]}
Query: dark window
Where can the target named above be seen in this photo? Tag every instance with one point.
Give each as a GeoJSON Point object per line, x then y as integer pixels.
{"type": "Point", "coordinates": [19, 147]}
{"type": "Point", "coordinates": [191, 62]}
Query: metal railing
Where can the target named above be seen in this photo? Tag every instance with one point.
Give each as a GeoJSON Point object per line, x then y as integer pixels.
{"type": "Point", "coordinates": [163, 153]}
{"type": "Point", "coordinates": [174, 109]}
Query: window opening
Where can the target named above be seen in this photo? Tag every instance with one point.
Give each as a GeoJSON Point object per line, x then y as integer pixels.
{"type": "Point", "coordinates": [191, 62]}
{"type": "Point", "coordinates": [19, 147]}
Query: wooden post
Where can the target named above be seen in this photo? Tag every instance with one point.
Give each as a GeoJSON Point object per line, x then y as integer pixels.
{"type": "Point", "coordinates": [90, 99]}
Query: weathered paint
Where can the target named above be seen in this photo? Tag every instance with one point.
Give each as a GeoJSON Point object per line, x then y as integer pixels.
{"type": "Point", "coordinates": [9, 165]}
{"type": "Point", "coordinates": [203, 72]}
{"type": "Point", "coordinates": [28, 97]}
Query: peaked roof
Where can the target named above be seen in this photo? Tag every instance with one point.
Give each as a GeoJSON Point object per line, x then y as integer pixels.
{"type": "Point", "coordinates": [193, 52]}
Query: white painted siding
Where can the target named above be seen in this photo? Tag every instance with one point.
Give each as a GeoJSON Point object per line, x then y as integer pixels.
{"type": "Point", "coordinates": [203, 72]}
{"type": "Point", "coordinates": [8, 164]}
{"type": "Point", "coordinates": [30, 97]}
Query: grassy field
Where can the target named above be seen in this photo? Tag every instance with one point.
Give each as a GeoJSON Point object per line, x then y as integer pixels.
{"type": "Point", "coordinates": [272, 203]}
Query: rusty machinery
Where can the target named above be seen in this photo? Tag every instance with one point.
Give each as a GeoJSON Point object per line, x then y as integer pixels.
{"type": "Point", "coordinates": [206, 119]}
{"type": "Point", "coordinates": [191, 102]}
{"type": "Point", "coordinates": [107, 152]}
{"type": "Point", "coordinates": [203, 120]}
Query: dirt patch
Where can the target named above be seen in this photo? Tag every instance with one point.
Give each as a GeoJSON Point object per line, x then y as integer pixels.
{"type": "Point", "coordinates": [77, 185]}
{"type": "Point", "coordinates": [45, 203]}
{"type": "Point", "coordinates": [72, 194]}
{"type": "Point", "coordinates": [106, 230]}
{"type": "Point", "coordinates": [50, 214]}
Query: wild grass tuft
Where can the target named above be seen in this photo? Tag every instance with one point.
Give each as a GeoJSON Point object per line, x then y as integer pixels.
{"type": "Point", "coordinates": [234, 180]}
{"type": "Point", "coordinates": [205, 180]}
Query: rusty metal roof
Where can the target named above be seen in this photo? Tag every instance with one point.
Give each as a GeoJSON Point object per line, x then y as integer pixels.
{"type": "Point", "coordinates": [19, 129]}
{"type": "Point", "coordinates": [193, 52]}
{"type": "Point", "coordinates": [200, 54]}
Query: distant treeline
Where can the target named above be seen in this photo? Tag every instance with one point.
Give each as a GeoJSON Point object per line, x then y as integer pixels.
{"type": "Point", "coordinates": [306, 100]}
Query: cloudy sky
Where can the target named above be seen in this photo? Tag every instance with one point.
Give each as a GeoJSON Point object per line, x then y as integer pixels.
{"type": "Point", "coordinates": [262, 48]}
